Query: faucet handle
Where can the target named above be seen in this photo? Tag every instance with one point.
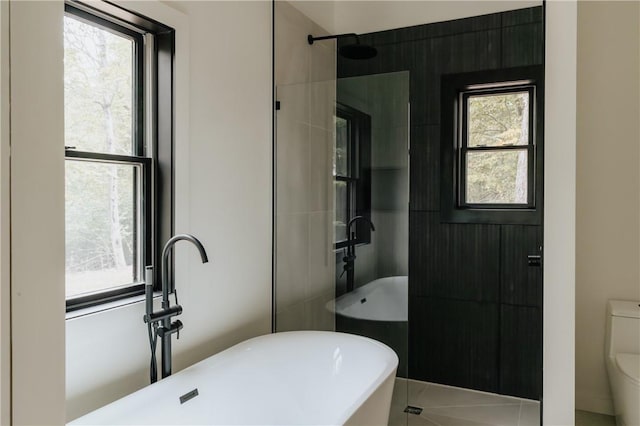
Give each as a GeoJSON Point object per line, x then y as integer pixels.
{"type": "Point", "coordinates": [173, 328]}
{"type": "Point", "coordinates": [175, 294]}
{"type": "Point", "coordinates": [177, 325]}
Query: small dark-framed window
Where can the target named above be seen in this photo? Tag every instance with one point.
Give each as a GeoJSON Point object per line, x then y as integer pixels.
{"type": "Point", "coordinates": [492, 146]}
{"type": "Point", "coordinates": [118, 150]}
{"type": "Point", "coordinates": [352, 174]}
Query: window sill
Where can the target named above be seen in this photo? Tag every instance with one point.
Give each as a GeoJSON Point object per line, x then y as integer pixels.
{"type": "Point", "coordinates": [109, 306]}
{"type": "Point", "coordinates": [491, 216]}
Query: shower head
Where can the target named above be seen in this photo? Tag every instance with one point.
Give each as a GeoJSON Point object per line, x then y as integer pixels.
{"type": "Point", "coordinates": [349, 51]}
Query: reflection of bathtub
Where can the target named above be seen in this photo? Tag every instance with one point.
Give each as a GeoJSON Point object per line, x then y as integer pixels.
{"type": "Point", "coordinates": [378, 310]}
{"type": "Point", "coordinates": [294, 378]}
{"type": "Point", "coordinates": [384, 299]}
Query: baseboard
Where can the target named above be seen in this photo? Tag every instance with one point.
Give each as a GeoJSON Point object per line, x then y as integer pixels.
{"type": "Point", "coordinates": [594, 403]}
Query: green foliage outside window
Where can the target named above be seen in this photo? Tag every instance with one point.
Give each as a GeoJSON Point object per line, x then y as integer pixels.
{"type": "Point", "coordinates": [497, 176]}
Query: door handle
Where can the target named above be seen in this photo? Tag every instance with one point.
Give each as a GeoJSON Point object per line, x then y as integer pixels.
{"type": "Point", "coordinates": [534, 260]}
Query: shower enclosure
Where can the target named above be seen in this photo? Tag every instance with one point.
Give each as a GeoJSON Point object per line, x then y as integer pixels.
{"type": "Point", "coordinates": [408, 196]}
{"type": "Point", "coordinates": [372, 126]}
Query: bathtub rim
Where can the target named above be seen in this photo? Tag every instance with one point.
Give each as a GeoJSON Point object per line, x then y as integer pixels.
{"type": "Point", "coordinates": [331, 306]}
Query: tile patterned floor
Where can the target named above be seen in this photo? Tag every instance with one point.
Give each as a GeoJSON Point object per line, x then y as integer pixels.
{"type": "Point", "coordinates": [585, 418]}
{"type": "Point", "coordinates": [451, 406]}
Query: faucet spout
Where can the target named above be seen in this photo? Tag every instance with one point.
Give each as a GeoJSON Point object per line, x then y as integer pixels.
{"type": "Point", "coordinates": [168, 327]}
{"type": "Point", "coordinates": [166, 251]}
{"type": "Point", "coordinates": [350, 256]}
{"type": "Point", "coordinates": [356, 218]}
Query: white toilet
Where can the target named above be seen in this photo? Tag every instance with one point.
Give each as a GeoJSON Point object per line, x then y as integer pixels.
{"type": "Point", "coordinates": [623, 359]}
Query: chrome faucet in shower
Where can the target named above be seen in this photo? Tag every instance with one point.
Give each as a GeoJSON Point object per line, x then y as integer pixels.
{"type": "Point", "coordinates": [163, 317]}
{"type": "Point", "coordinates": [350, 255]}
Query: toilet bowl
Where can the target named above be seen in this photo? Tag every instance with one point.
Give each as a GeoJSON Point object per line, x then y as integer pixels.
{"type": "Point", "coordinates": [623, 359]}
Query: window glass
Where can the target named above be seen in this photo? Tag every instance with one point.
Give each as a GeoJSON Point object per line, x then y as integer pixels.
{"type": "Point", "coordinates": [341, 158]}
{"type": "Point", "coordinates": [98, 89]}
{"type": "Point", "coordinates": [104, 178]}
{"type": "Point", "coordinates": [495, 147]}
{"type": "Point", "coordinates": [496, 177]}
{"type": "Point", "coordinates": [341, 211]}
{"type": "Point", "coordinates": [491, 144]}
{"type": "Point", "coordinates": [101, 217]}
{"type": "Point", "coordinates": [352, 147]}
{"type": "Point", "coordinates": [498, 119]}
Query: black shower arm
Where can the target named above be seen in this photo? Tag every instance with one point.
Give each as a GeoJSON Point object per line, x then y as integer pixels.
{"type": "Point", "coordinates": [311, 38]}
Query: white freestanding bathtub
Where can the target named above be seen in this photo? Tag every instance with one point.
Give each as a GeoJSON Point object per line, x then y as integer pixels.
{"type": "Point", "coordinates": [293, 378]}
{"type": "Point", "coordinates": [378, 309]}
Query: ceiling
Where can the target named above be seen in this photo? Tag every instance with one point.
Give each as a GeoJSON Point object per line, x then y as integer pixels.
{"type": "Point", "coordinates": [365, 16]}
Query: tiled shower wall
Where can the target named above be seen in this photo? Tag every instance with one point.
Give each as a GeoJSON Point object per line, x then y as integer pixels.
{"type": "Point", "coordinates": [305, 87]}
{"type": "Point", "coordinates": [475, 306]}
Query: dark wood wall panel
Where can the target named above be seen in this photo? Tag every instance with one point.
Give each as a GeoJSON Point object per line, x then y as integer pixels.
{"type": "Point", "coordinates": [454, 342]}
{"type": "Point", "coordinates": [465, 280]}
{"type": "Point", "coordinates": [474, 51]}
{"type": "Point", "coordinates": [522, 45]}
{"type": "Point", "coordinates": [434, 57]}
{"type": "Point", "coordinates": [455, 261]}
{"type": "Point", "coordinates": [529, 15]}
{"type": "Point", "coordinates": [522, 37]}
{"type": "Point", "coordinates": [442, 29]}
{"type": "Point", "coordinates": [394, 56]}
{"type": "Point", "coordinates": [520, 283]}
{"type": "Point", "coordinates": [425, 152]}
{"type": "Point", "coordinates": [521, 351]}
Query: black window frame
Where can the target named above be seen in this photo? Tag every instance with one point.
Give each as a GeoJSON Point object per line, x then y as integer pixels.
{"type": "Point", "coordinates": [359, 175]}
{"type": "Point", "coordinates": [155, 157]}
{"type": "Point", "coordinates": [456, 89]}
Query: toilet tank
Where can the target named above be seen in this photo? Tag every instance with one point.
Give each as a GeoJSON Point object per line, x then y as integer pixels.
{"type": "Point", "coordinates": [623, 327]}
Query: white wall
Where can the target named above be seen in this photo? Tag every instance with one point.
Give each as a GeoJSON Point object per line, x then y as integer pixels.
{"type": "Point", "coordinates": [608, 183]}
{"type": "Point", "coordinates": [5, 277]}
{"type": "Point", "coordinates": [223, 196]}
{"type": "Point", "coordinates": [559, 213]}
{"type": "Point", "coordinates": [37, 212]}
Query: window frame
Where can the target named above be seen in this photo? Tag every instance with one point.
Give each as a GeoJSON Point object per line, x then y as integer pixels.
{"type": "Point", "coordinates": [455, 90]}
{"type": "Point", "coordinates": [463, 148]}
{"type": "Point", "coordinates": [152, 138]}
{"type": "Point", "coordinates": [145, 200]}
{"type": "Point", "coordinates": [359, 179]}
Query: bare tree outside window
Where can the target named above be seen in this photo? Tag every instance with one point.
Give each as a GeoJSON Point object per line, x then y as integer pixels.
{"type": "Point", "coordinates": [99, 200]}
{"type": "Point", "coordinates": [495, 175]}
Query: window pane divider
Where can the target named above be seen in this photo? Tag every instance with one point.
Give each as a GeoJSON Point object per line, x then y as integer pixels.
{"type": "Point", "coordinates": [498, 148]}
{"type": "Point", "coordinates": [107, 158]}
{"type": "Point", "coordinates": [345, 179]}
